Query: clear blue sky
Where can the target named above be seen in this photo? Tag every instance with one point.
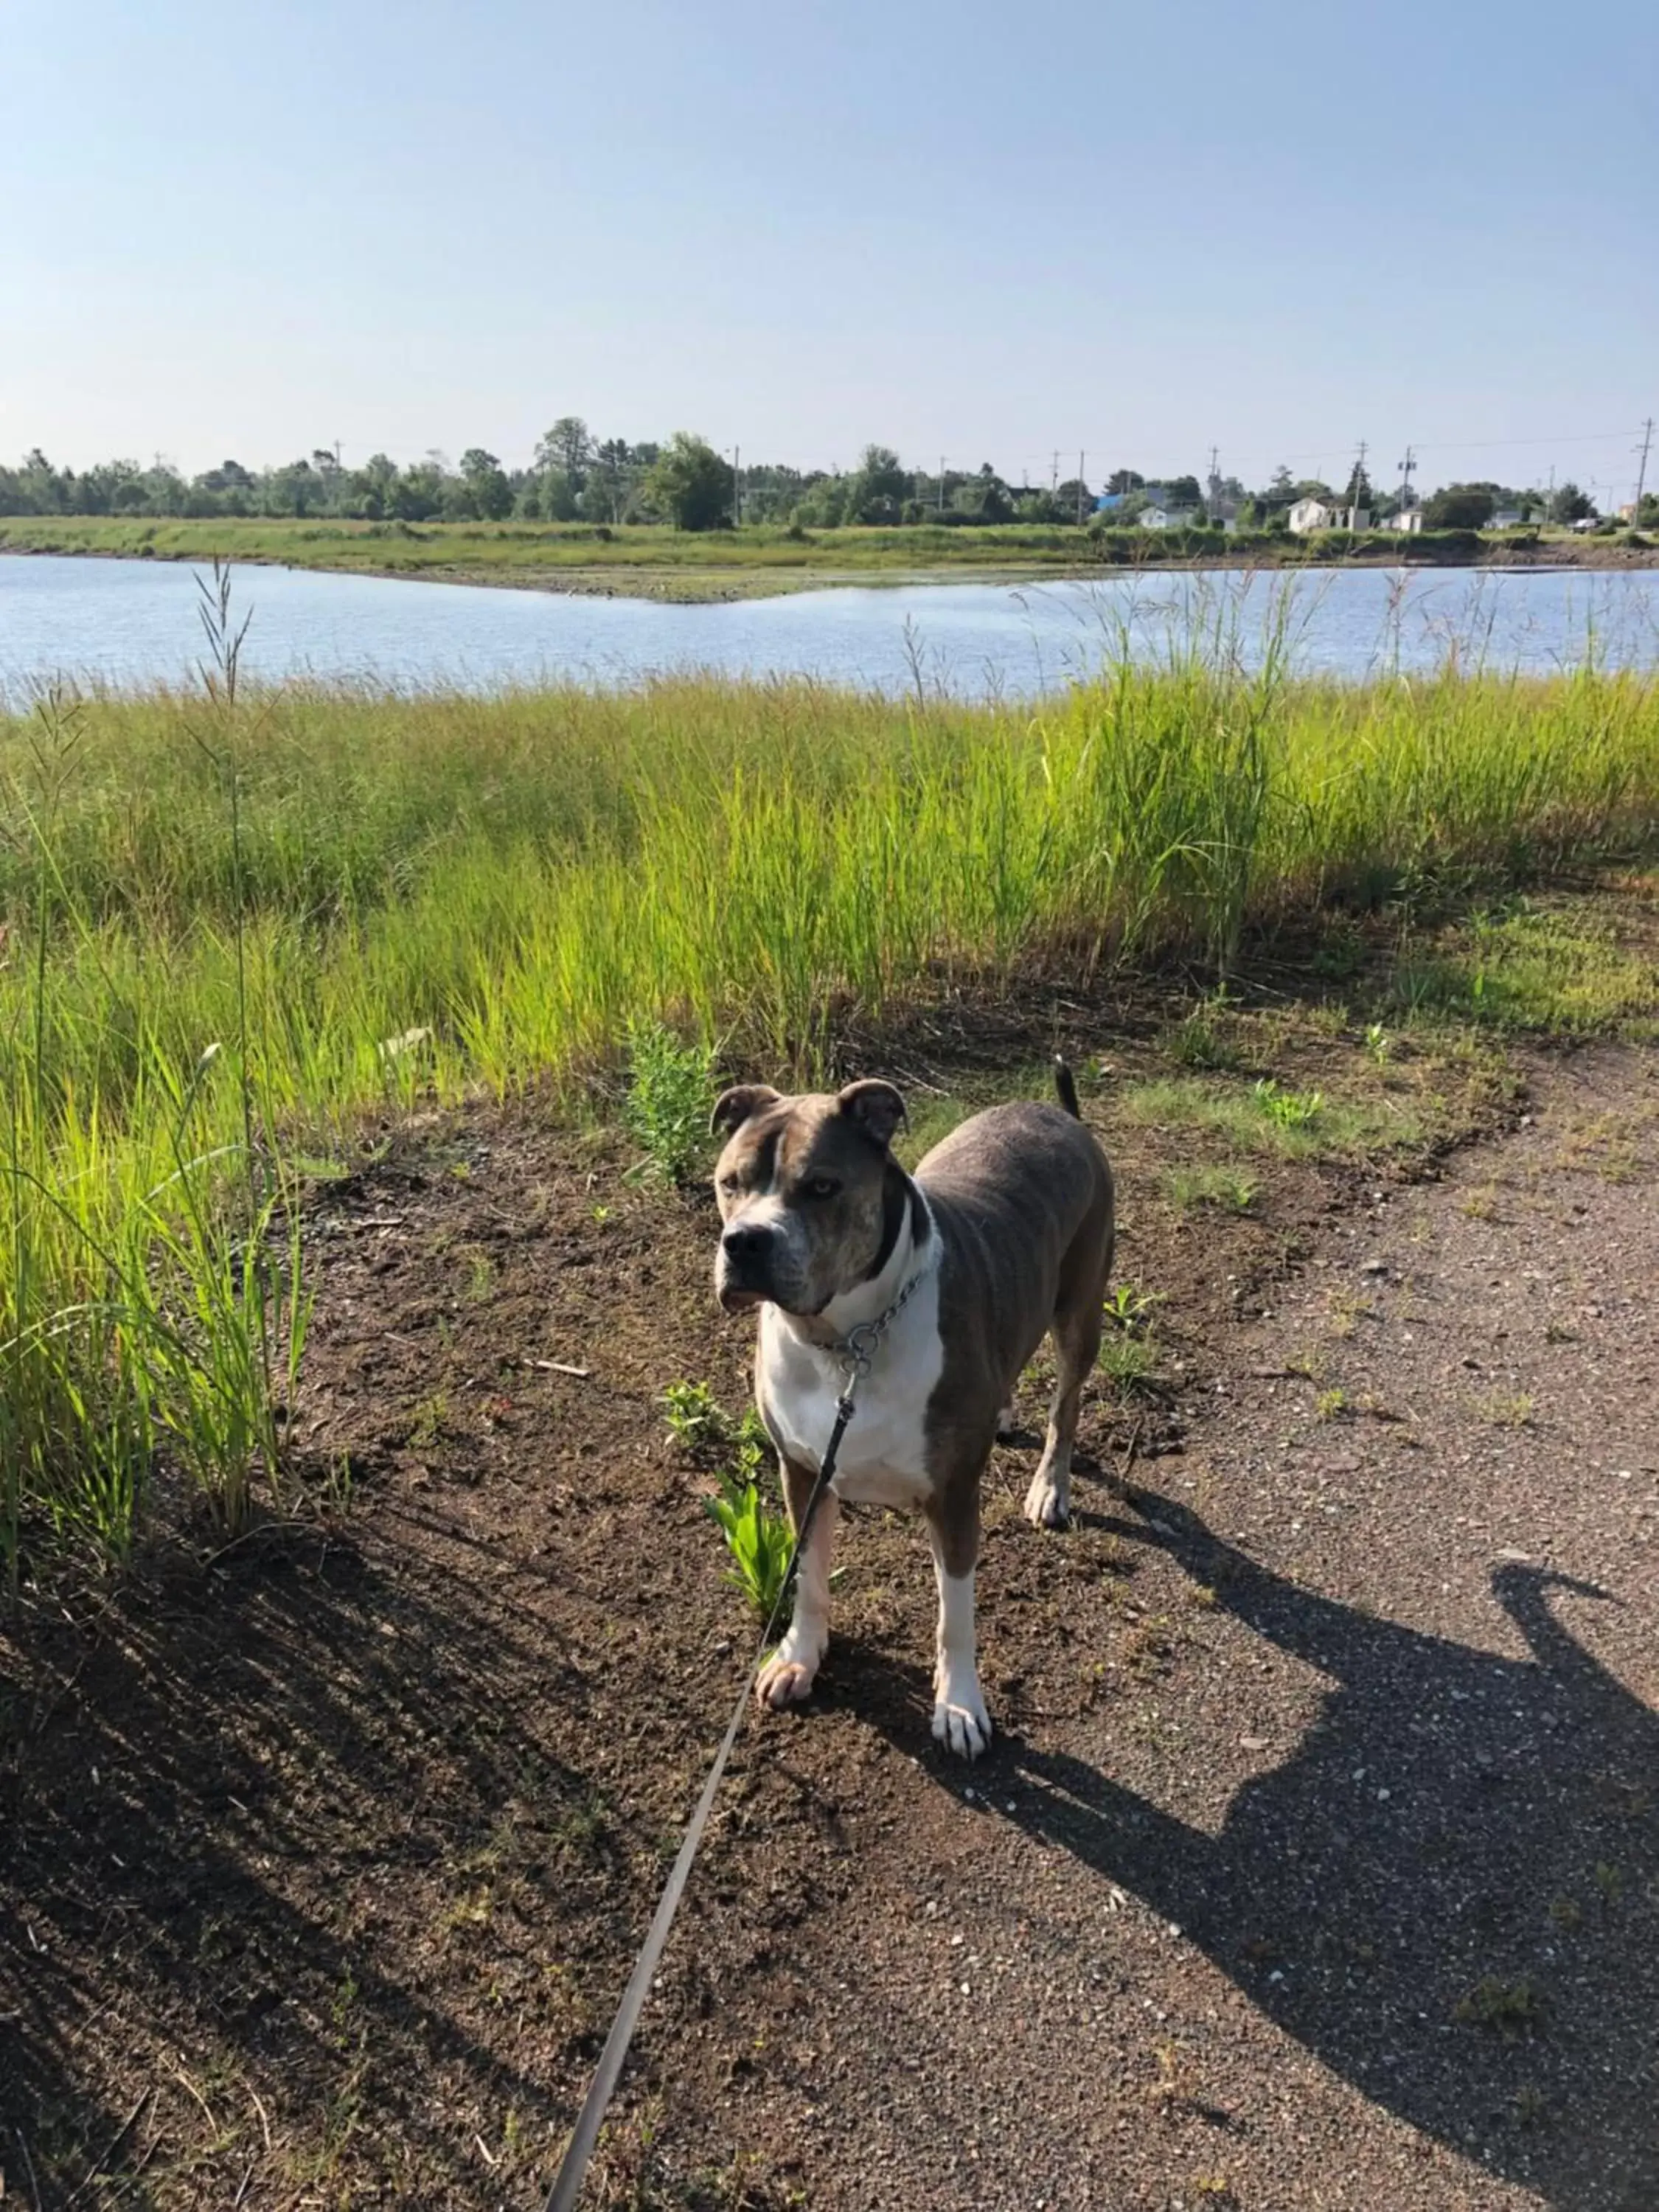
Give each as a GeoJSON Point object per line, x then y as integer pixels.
{"type": "Point", "coordinates": [978, 229]}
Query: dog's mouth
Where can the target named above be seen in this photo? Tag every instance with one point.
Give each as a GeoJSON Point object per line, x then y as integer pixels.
{"type": "Point", "coordinates": [736, 1299]}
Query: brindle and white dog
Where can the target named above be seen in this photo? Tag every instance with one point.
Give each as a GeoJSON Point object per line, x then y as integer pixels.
{"type": "Point", "coordinates": [1005, 1230]}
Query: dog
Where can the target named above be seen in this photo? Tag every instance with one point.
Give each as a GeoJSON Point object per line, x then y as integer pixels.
{"type": "Point", "coordinates": [1004, 1232]}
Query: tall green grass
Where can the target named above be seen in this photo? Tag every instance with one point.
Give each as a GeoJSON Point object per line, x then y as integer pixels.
{"type": "Point", "coordinates": [236, 921]}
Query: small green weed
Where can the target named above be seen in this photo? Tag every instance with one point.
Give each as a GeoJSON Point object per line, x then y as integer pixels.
{"type": "Point", "coordinates": [1129, 1360]}
{"type": "Point", "coordinates": [695, 1416]}
{"type": "Point", "coordinates": [1222, 1187]}
{"type": "Point", "coordinates": [1512, 2008]}
{"type": "Point", "coordinates": [670, 1093]}
{"type": "Point", "coordinates": [1130, 1309]}
{"type": "Point", "coordinates": [1378, 1043]}
{"type": "Point", "coordinates": [1332, 1405]}
{"type": "Point", "coordinates": [697, 1420]}
{"type": "Point", "coordinates": [1289, 1109]}
{"type": "Point", "coordinates": [428, 1420]}
{"type": "Point", "coordinates": [756, 1536]}
{"type": "Point", "coordinates": [1506, 1410]}
{"type": "Point", "coordinates": [758, 1539]}
{"type": "Point", "coordinates": [1200, 1041]}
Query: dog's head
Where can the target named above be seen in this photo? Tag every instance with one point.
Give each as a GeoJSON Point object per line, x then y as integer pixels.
{"type": "Point", "coordinates": [810, 1195]}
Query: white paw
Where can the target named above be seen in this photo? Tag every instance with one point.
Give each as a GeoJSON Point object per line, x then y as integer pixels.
{"type": "Point", "coordinates": [960, 1719]}
{"type": "Point", "coordinates": [1007, 1421]}
{"type": "Point", "coordinates": [787, 1677]}
{"type": "Point", "coordinates": [1048, 1500]}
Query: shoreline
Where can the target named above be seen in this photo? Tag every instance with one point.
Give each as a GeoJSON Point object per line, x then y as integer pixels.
{"type": "Point", "coordinates": [672, 583]}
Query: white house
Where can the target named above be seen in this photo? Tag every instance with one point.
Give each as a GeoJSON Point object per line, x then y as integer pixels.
{"type": "Point", "coordinates": [1407, 522]}
{"type": "Point", "coordinates": [1310, 514]}
{"type": "Point", "coordinates": [1153, 517]}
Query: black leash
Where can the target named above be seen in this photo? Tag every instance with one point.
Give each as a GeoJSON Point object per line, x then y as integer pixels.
{"type": "Point", "coordinates": [858, 1353]}
{"type": "Point", "coordinates": [573, 2166]}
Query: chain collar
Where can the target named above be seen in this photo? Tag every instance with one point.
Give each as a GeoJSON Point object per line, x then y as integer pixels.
{"type": "Point", "coordinates": [857, 1350]}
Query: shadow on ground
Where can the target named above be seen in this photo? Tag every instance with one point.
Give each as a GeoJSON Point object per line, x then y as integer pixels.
{"type": "Point", "coordinates": [1447, 1894]}
{"type": "Point", "coordinates": [248, 1796]}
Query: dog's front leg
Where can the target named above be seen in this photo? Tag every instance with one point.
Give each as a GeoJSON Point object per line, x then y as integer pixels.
{"type": "Point", "coordinates": [789, 1674]}
{"type": "Point", "coordinates": [959, 1716]}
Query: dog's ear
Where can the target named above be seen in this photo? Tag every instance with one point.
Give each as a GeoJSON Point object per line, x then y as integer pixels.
{"type": "Point", "coordinates": [733, 1106]}
{"type": "Point", "coordinates": [874, 1108]}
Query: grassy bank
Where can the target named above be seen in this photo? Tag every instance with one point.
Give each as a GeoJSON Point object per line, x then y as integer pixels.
{"type": "Point", "coordinates": [239, 925]}
{"type": "Point", "coordinates": [647, 560]}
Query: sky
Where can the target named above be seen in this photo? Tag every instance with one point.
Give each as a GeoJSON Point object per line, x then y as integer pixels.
{"type": "Point", "coordinates": [971, 230]}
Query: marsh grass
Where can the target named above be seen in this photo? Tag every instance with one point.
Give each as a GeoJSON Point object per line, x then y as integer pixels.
{"type": "Point", "coordinates": [228, 912]}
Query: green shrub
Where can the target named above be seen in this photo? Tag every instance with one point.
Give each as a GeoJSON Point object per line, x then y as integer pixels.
{"type": "Point", "coordinates": [670, 1096]}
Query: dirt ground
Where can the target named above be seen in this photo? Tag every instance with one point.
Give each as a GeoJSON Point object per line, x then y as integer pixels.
{"type": "Point", "coordinates": [1315, 1863]}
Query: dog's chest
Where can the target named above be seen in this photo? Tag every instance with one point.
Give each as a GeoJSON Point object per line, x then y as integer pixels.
{"type": "Point", "coordinates": [883, 1460]}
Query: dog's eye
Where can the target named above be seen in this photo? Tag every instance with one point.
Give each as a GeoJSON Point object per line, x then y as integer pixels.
{"type": "Point", "coordinates": [821, 1187]}
{"type": "Point", "coordinates": [730, 1186]}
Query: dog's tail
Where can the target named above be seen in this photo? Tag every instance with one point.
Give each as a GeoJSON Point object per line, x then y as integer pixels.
{"type": "Point", "coordinates": [1066, 1089]}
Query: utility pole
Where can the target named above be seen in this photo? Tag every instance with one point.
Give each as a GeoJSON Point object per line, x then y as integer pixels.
{"type": "Point", "coordinates": [941, 483]}
{"type": "Point", "coordinates": [1213, 486]}
{"type": "Point", "coordinates": [736, 488]}
{"type": "Point", "coordinates": [1359, 478]}
{"type": "Point", "coordinates": [1080, 459]}
{"type": "Point", "coordinates": [1642, 473]}
{"type": "Point", "coordinates": [1053, 481]}
{"type": "Point", "coordinates": [1405, 468]}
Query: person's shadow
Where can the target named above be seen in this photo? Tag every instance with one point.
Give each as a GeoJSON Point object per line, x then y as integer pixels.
{"type": "Point", "coordinates": [1448, 1893]}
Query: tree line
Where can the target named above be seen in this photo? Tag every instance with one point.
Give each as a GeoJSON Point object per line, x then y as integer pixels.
{"type": "Point", "coordinates": [574, 477]}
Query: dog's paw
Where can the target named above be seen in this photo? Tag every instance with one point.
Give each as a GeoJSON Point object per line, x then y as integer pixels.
{"type": "Point", "coordinates": [787, 1677]}
{"type": "Point", "coordinates": [1048, 1501]}
{"type": "Point", "coordinates": [1008, 1422]}
{"type": "Point", "coordinates": [960, 1719]}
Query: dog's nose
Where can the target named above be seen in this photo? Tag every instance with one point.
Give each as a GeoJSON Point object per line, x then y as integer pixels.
{"type": "Point", "coordinates": [749, 1242]}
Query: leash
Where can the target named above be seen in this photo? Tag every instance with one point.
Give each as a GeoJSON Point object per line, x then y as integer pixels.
{"type": "Point", "coordinates": [856, 1352]}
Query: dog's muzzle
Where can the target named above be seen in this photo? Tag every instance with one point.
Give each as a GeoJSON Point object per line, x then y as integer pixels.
{"type": "Point", "coordinates": [742, 1275]}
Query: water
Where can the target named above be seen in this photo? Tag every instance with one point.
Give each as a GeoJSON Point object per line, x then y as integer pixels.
{"type": "Point", "coordinates": [130, 623]}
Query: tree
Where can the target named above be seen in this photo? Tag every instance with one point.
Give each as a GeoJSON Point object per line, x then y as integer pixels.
{"type": "Point", "coordinates": [488, 491]}
{"type": "Point", "coordinates": [374, 488]}
{"type": "Point", "coordinates": [1122, 480]}
{"type": "Point", "coordinates": [1459, 506]}
{"type": "Point", "coordinates": [1183, 491]}
{"type": "Point", "coordinates": [568, 446]}
{"type": "Point", "coordinates": [691, 483]}
{"type": "Point", "coordinates": [1359, 492]}
{"type": "Point", "coordinates": [1569, 505]}
{"type": "Point", "coordinates": [294, 490]}
{"type": "Point", "coordinates": [985, 498]}
{"type": "Point", "coordinates": [611, 480]}
{"type": "Point", "coordinates": [878, 487]}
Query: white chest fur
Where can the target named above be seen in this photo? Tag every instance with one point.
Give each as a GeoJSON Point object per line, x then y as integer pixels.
{"type": "Point", "coordinates": [884, 1455]}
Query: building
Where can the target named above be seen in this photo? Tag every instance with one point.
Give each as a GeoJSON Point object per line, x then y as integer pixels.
{"type": "Point", "coordinates": [1407, 522]}
{"type": "Point", "coordinates": [1310, 514]}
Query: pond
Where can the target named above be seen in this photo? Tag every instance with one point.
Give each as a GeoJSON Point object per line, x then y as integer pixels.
{"type": "Point", "coordinates": [125, 623]}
